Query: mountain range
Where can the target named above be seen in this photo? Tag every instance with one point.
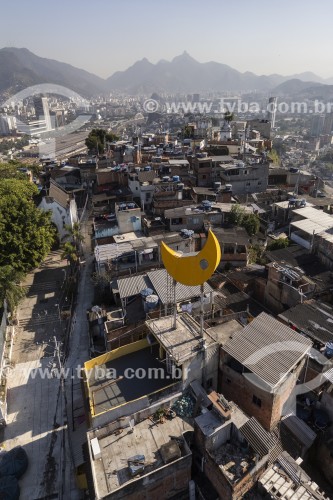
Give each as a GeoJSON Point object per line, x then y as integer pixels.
{"type": "Point", "coordinates": [20, 68]}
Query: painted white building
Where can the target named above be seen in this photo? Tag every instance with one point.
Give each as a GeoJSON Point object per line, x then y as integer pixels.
{"type": "Point", "coordinates": [62, 206]}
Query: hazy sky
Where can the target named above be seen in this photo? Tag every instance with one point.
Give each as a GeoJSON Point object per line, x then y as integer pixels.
{"type": "Point", "coordinates": [103, 36]}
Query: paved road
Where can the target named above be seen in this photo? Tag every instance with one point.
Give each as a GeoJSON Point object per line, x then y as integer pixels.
{"type": "Point", "coordinates": [37, 410]}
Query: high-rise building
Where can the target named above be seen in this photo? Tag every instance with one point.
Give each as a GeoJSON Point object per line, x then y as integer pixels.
{"type": "Point", "coordinates": [317, 125]}
{"type": "Point", "coordinates": [328, 124]}
{"type": "Point", "coordinates": [271, 110]}
{"type": "Point", "coordinates": [7, 124]}
{"type": "Point", "coordinates": [42, 111]}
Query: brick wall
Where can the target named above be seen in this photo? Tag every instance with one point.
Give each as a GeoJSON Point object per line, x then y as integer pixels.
{"type": "Point", "coordinates": [224, 488]}
{"type": "Point", "coordinates": [237, 388]}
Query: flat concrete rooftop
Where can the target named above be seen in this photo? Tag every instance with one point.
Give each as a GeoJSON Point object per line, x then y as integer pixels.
{"type": "Point", "coordinates": [111, 471]}
{"type": "Point", "coordinates": [107, 394]}
{"type": "Point", "coordinates": [224, 331]}
{"type": "Point", "coordinates": [181, 342]}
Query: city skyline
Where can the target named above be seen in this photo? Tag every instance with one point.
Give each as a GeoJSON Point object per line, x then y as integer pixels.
{"type": "Point", "coordinates": [281, 38]}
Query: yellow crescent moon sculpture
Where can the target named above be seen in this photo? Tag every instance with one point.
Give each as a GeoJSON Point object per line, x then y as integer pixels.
{"type": "Point", "coordinates": [192, 270]}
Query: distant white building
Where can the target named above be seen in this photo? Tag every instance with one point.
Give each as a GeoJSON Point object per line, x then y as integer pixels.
{"type": "Point", "coordinates": [226, 132]}
{"type": "Point", "coordinates": [7, 124]}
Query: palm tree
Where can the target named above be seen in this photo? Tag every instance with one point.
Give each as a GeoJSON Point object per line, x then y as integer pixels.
{"type": "Point", "coordinates": [228, 116]}
{"type": "Point", "coordinates": [71, 249]}
{"type": "Point", "coordinates": [74, 232]}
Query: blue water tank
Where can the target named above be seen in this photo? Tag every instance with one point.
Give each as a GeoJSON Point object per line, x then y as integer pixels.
{"type": "Point", "coordinates": [151, 302]}
{"type": "Point", "coordinates": [329, 349]}
{"type": "Point", "coordinates": [147, 168]}
{"type": "Point", "coordinates": [146, 292]}
{"type": "Point", "coordinates": [175, 178]}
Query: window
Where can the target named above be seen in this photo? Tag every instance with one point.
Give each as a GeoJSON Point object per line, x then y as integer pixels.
{"type": "Point", "coordinates": [147, 196]}
{"type": "Point", "coordinates": [228, 381]}
{"type": "Point", "coordinates": [256, 401]}
{"type": "Point", "coordinates": [248, 183]}
{"type": "Point", "coordinates": [176, 221]}
{"type": "Point", "coordinates": [259, 183]}
{"type": "Point", "coordinates": [209, 383]}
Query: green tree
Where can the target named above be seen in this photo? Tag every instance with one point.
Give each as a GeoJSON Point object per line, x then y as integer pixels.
{"type": "Point", "coordinates": [10, 171]}
{"type": "Point", "coordinates": [26, 233]}
{"type": "Point", "coordinates": [97, 139]}
{"type": "Point", "coordinates": [10, 288]}
{"type": "Point", "coordinates": [239, 217]}
{"type": "Point", "coordinates": [278, 244]}
{"type": "Point", "coordinates": [74, 233]}
{"type": "Point", "coordinates": [273, 155]}
{"type": "Point", "coordinates": [187, 132]}
{"type": "Point", "coordinates": [69, 252]}
{"type": "Point", "coordinates": [228, 116]}
{"type": "Point", "coordinates": [236, 215]}
{"type": "Point", "coordinates": [71, 249]}
{"type": "Point", "coordinates": [251, 223]}
{"type": "Point", "coordinates": [21, 188]}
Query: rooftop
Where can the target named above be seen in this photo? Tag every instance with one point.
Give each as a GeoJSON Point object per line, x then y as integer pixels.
{"type": "Point", "coordinates": [197, 209]}
{"type": "Point", "coordinates": [183, 163]}
{"type": "Point", "coordinates": [223, 332]}
{"type": "Point", "coordinates": [161, 282]}
{"type": "Point", "coordinates": [184, 341]}
{"type": "Point", "coordinates": [314, 220]}
{"type": "Point", "coordinates": [103, 253]}
{"type": "Point", "coordinates": [126, 237]}
{"type": "Point", "coordinates": [268, 348]}
{"type": "Point", "coordinates": [234, 460]}
{"type": "Point", "coordinates": [314, 318]}
{"type": "Point", "coordinates": [285, 479]}
{"type": "Point", "coordinates": [110, 385]}
{"type": "Point", "coordinates": [157, 442]}
{"type": "Point", "coordinates": [232, 235]}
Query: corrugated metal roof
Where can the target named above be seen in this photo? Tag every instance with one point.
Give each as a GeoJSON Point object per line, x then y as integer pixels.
{"type": "Point", "coordinates": [299, 429]}
{"type": "Point", "coordinates": [268, 348]}
{"type": "Point", "coordinates": [310, 227]}
{"type": "Point", "coordinates": [133, 285]}
{"type": "Point", "coordinates": [103, 253]}
{"type": "Point", "coordinates": [313, 318]}
{"type": "Point", "coordinates": [260, 440]}
{"type": "Point", "coordinates": [314, 215]}
{"type": "Point", "coordinates": [163, 285]}
{"type": "Point", "coordinates": [314, 220]}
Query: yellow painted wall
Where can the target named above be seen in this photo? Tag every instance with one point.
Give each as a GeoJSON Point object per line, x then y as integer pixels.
{"type": "Point", "coordinates": [116, 353]}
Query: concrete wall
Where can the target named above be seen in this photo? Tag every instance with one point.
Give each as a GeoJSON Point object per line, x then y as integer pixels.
{"type": "Point", "coordinates": [166, 482]}
{"type": "Point", "coordinates": [60, 216]}
{"type": "Point", "coordinates": [255, 181]}
{"type": "Point", "coordinates": [324, 250]}
{"type": "Point", "coordinates": [129, 220]}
